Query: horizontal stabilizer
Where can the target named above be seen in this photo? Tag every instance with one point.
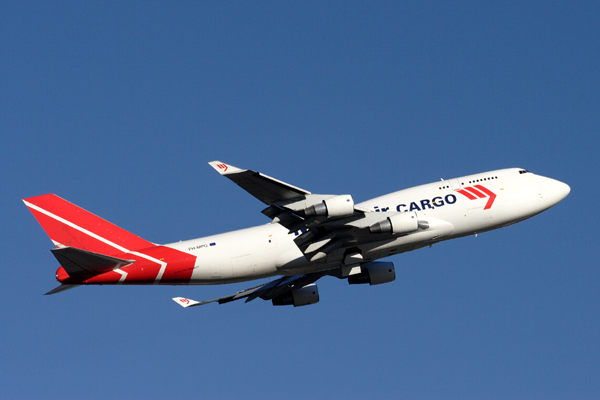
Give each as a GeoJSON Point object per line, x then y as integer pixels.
{"type": "Point", "coordinates": [62, 288]}
{"type": "Point", "coordinates": [82, 262]}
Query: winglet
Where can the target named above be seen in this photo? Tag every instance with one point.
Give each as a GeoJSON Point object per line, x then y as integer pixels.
{"type": "Point", "coordinates": [185, 303]}
{"type": "Point", "coordinates": [225, 169]}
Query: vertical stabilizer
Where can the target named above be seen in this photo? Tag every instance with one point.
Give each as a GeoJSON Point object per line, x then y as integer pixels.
{"type": "Point", "coordinates": [68, 225]}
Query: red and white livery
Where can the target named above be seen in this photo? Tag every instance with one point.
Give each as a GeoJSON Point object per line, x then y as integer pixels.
{"type": "Point", "coordinates": [310, 235]}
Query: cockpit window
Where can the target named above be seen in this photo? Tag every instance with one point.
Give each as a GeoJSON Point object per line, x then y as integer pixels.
{"type": "Point", "coordinates": [523, 171]}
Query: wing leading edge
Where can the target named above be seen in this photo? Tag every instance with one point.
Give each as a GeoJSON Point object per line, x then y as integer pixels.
{"type": "Point", "coordinates": [289, 205]}
{"type": "Point", "coordinates": [264, 188]}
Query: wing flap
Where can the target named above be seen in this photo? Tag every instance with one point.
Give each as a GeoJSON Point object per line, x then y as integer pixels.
{"type": "Point", "coordinates": [283, 216]}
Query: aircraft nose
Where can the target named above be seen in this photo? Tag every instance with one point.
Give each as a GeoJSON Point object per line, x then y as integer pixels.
{"type": "Point", "coordinates": [558, 191]}
{"type": "Point", "coordinates": [566, 189]}
{"type": "Point", "coordinates": [562, 189]}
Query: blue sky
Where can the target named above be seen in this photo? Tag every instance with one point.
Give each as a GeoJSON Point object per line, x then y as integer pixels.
{"type": "Point", "coordinates": [119, 106]}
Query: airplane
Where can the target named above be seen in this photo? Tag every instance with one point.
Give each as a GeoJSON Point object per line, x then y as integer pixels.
{"type": "Point", "coordinates": [310, 235]}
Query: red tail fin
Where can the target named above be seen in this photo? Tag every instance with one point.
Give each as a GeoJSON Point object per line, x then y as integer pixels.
{"type": "Point", "coordinates": [69, 225]}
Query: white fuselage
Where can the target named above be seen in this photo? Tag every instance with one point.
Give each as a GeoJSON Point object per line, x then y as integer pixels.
{"type": "Point", "coordinates": [449, 207]}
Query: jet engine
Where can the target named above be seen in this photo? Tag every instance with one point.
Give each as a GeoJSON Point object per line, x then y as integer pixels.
{"type": "Point", "coordinates": [374, 273]}
{"type": "Point", "coordinates": [304, 296]}
{"type": "Point", "coordinates": [337, 206]}
{"type": "Point", "coordinates": [404, 222]}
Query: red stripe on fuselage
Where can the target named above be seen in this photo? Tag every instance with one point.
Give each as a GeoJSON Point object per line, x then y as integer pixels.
{"type": "Point", "coordinates": [489, 193]}
{"type": "Point", "coordinates": [467, 194]}
{"type": "Point", "coordinates": [475, 192]}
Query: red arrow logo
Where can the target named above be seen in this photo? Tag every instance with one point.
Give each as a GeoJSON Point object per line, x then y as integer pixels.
{"type": "Point", "coordinates": [472, 193]}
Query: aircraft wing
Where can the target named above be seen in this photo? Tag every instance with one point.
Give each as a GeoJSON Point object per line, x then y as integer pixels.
{"type": "Point", "coordinates": [329, 223]}
{"type": "Point", "coordinates": [266, 291]}
{"type": "Point", "coordinates": [264, 188]}
{"type": "Point", "coordinates": [278, 195]}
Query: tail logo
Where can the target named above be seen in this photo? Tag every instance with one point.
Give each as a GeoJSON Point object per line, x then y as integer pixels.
{"type": "Point", "coordinates": [479, 192]}
{"type": "Point", "coordinates": [223, 167]}
{"type": "Point", "coordinates": [185, 301]}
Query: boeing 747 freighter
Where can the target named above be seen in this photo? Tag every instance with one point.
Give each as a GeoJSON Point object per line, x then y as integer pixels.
{"type": "Point", "coordinates": [310, 235]}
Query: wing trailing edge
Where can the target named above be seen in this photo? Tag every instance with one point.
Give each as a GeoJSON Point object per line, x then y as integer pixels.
{"type": "Point", "coordinates": [266, 291]}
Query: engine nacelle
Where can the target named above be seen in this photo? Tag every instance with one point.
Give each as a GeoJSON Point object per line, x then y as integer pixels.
{"type": "Point", "coordinates": [404, 222]}
{"type": "Point", "coordinates": [337, 206]}
{"type": "Point", "coordinates": [374, 273]}
{"type": "Point", "coordinates": [304, 296]}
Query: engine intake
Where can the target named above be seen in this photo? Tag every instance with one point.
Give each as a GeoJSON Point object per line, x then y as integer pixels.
{"type": "Point", "coordinates": [304, 296]}
{"type": "Point", "coordinates": [404, 222]}
{"type": "Point", "coordinates": [374, 273]}
{"type": "Point", "coordinates": [337, 206]}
